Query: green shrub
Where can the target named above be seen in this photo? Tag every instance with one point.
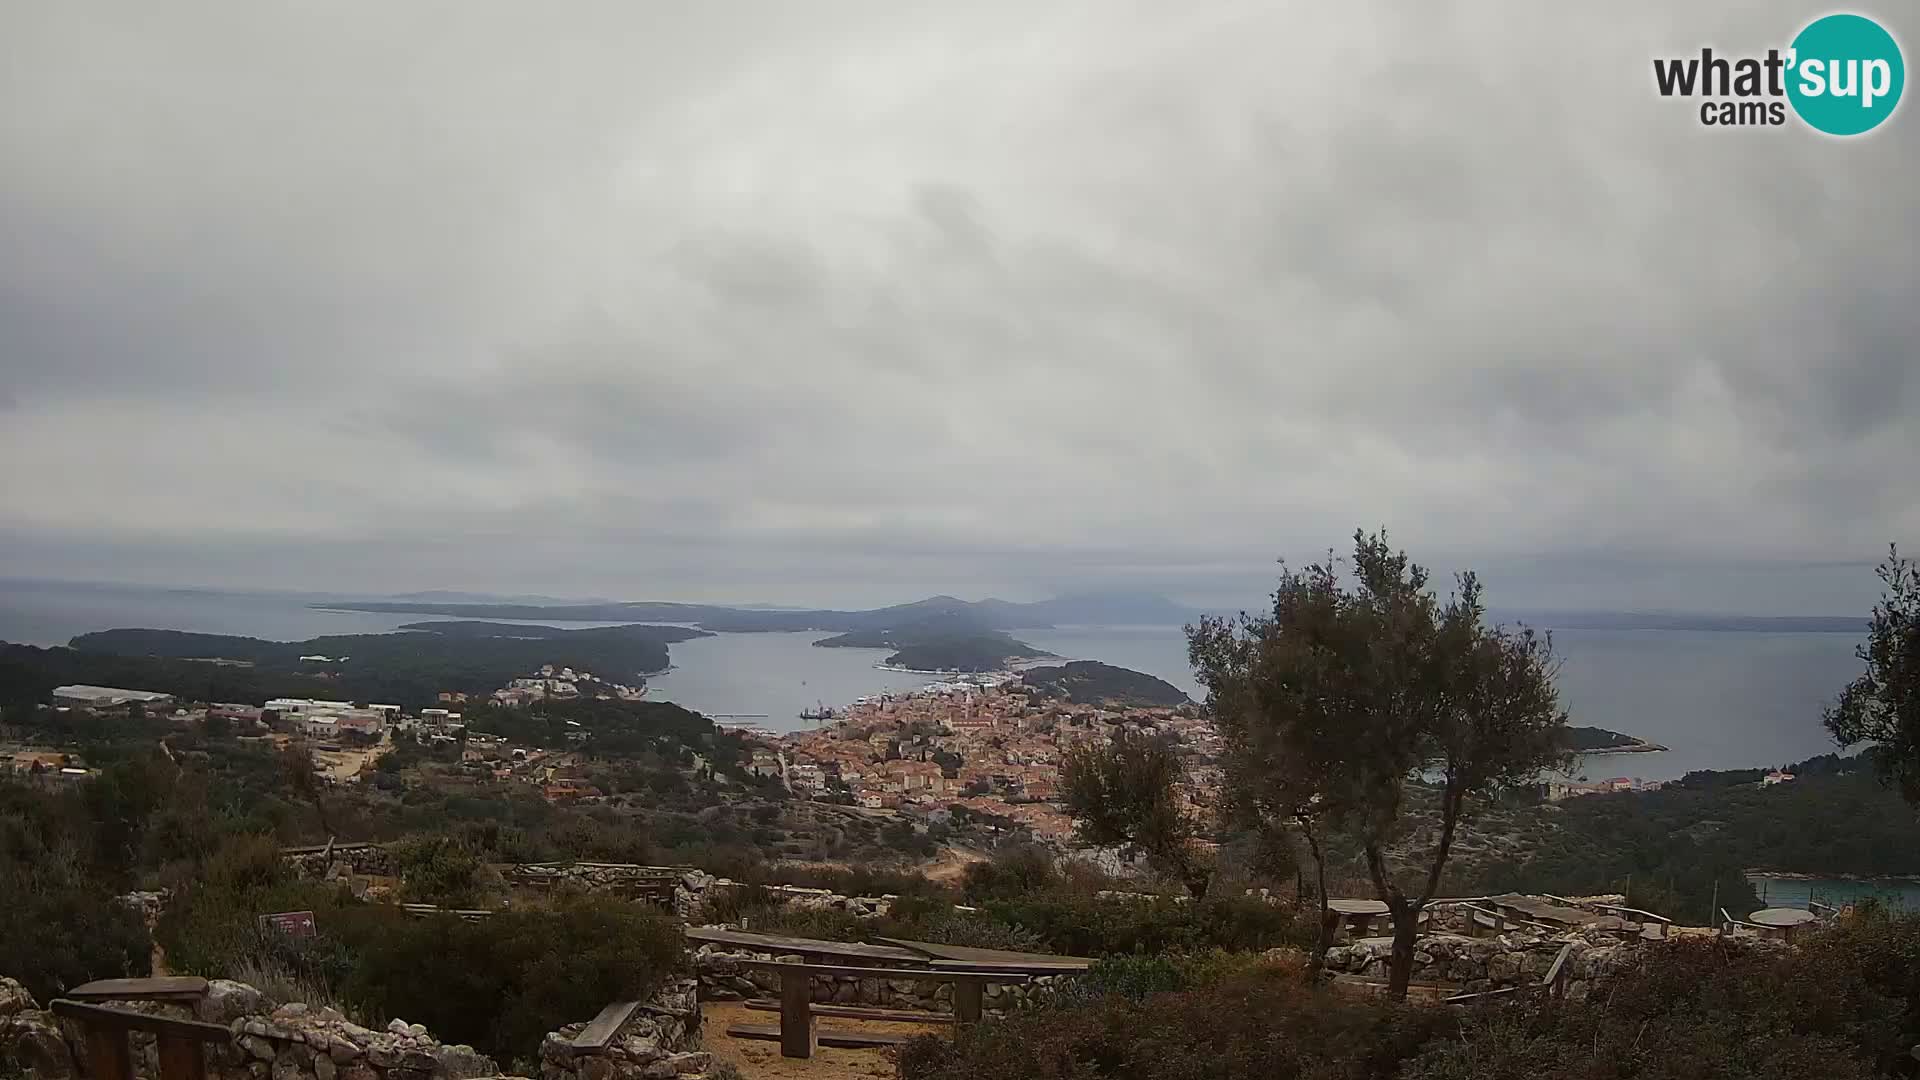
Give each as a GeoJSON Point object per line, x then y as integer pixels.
{"type": "Point", "coordinates": [500, 984]}
{"type": "Point", "coordinates": [1092, 926]}
{"type": "Point", "coordinates": [1257, 1024]}
{"type": "Point", "coordinates": [1013, 873]}
{"type": "Point", "coordinates": [1842, 1006]}
{"type": "Point", "coordinates": [441, 870]}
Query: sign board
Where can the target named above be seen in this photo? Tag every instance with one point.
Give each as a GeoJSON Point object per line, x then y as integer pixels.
{"type": "Point", "coordinates": [297, 924]}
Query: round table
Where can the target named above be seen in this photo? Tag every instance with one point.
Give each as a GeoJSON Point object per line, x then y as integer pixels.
{"type": "Point", "coordinates": [1784, 919]}
{"type": "Point", "coordinates": [1358, 915]}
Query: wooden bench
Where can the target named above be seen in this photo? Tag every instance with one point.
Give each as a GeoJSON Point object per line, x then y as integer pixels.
{"type": "Point", "coordinates": [1648, 920]}
{"type": "Point", "coordinates": [854, 1012]}
{"type": "Point", "coordinates": [798, 1034]}
{"type": "Point", "coordinates": [1497, 920]}
{"type": "Point", "coordinates": [181, 1042]}
{"type": "Point", "coordinates": [166, 988]}
{"type": "Point", "coordinates": [600, 1030]}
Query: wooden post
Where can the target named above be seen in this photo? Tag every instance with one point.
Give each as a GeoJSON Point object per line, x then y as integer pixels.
{"type": "Point", "coordinates": [107, 1057]}
{"type": "Point", "coordinates": [968, 1000]}
{"type": "Point", "coordinates": [797, 1025]}
{"type": "Point", "coordinates": [181, 1058]}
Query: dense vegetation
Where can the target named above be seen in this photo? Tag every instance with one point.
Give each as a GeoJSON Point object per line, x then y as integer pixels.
{"type": "Point", "coordinates": [1846, 1006]}
{"type": "Point", "coordinates": [28, 675]}
{"type": "Point", "coordinates": [1089, 682]}
{"type": "Point", "coordinates": [498, 985]}
{"type": "Point", "coordinates": [1674, 844]}
{"type": "Point", "coordinates": [411, 668]}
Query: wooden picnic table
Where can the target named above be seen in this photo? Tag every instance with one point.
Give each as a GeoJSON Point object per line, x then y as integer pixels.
{"type": "Point", "coordinates": [798, 1033]}
{"type": "Point", "coordinates": [961, 957]}
{"type": "Point", "coordinates": [780, 943]}
{"type": "Point", "coordinates": [163, 988]}
{"type": "Point", "coordinates": [1553, 914]}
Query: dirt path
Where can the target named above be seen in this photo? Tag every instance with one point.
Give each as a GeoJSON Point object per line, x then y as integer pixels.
{"type": "Point", "coordinates": [341, 765]}
{"type": "Point", "coordinates": [761, 1060]}
{"type": "Point", "coordinates": [952, 864]}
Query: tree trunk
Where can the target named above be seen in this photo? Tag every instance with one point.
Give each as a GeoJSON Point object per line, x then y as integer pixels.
{"type": "Point", "coordinates": [1406, 929]}
{"type": "Point", "coordinates": [1405, 923]}
{"type": "Point", "coordinates": [1328, 923]}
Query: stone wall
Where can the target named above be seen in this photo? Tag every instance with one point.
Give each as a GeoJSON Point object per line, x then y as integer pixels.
{"type": "Point", "coordinates": [689, 892]}
{"type": "Point", "coordinates": [723, 977]}
{"type": "Point", "coordinates": [1489, 963]}
{"type": "Point", "coordinates": [339, 861]}
{"type": "Point", "coordinates": [656, 1042]}
{"type": "Point", "coordinates": [298, 1042]}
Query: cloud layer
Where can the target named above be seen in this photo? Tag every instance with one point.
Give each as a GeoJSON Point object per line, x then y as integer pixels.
{"type": "Point", "coordinates": [849, 301]}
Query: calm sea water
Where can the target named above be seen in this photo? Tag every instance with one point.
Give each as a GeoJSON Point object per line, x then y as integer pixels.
{"type": "Point", "coordinates": [1717, 699]}
{"type": "Point", "coordinates": [1837, 892]}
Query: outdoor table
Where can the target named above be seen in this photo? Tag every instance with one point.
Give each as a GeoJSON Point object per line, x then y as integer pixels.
{"type": "Point", "coordinates": [1786, 920]}
{"type": "Point", "coordinates": [1358, 915]}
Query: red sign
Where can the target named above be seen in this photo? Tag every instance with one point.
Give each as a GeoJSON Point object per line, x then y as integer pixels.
{"type": "Point", "coordinates": [291, 923]}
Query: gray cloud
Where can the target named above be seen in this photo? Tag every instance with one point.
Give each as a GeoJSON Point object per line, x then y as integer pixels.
{"type": "Point", "coordinates": [840, 302]}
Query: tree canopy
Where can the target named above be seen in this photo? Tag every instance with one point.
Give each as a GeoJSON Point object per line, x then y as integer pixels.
{"type": "Point", "coordinates": [1882, 706]}
{"type": "Point", "coordinates": [1356, 686]}
{"type": "Point", "coordinates": [1127, 791]}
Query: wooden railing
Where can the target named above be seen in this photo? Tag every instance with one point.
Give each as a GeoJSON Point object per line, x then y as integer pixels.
{"type": "Point", "coordinates": [1665, 923]}
{"type": "Point", "coordinates": [182, 1043]}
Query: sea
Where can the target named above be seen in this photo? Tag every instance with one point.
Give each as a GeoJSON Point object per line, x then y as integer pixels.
{"type": "Point", "coordinates": [1716, 699]}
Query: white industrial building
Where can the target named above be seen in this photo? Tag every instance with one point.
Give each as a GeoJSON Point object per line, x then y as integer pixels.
{"type": "Point", "coordinates": [106, 697]}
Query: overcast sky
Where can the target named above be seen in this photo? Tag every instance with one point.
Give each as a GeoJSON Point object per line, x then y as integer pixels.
{"type": "Point", "coordinates": [837, 302]}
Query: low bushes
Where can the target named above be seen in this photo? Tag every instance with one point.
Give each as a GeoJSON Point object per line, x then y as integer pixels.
{"type": "Point", "coordinates": [1846, 1006]}
{"type": "Point", "coordinates": [1261, 1023]}
{"type": "Point", "coordinates": [1082, 925]}
{"type": "Point", "coordinates": [498, 984]}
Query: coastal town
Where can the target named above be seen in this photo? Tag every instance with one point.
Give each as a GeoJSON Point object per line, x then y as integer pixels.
{"type": "Point", "coordinates": [988, 745]}
{"type": "Point", "coordinates": [984, 747]}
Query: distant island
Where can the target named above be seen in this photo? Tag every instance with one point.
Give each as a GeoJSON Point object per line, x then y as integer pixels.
{"type": "Point", "coordinates": [1593, 740]}
{"type": "Point", "coordinates": [408, 668]}
{"type": "Point", "coordinates": [1089, 682]}
{"type": "Point", "coordinates": [1099, 608]}
{"type": "Point", "coordinates": [934, 647]}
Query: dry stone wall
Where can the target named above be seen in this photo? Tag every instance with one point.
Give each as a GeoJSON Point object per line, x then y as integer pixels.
{"type": "Point", "coordinates": [340, 860]}
{"type": "Point", "coordinates": [1489, 963]}
{"type": "Point", "coordinates": [298, 1042]}
{"type": "Point", "coordinates": [655, 1043]}
{"type": "Point", "coordinates": [724, 977]}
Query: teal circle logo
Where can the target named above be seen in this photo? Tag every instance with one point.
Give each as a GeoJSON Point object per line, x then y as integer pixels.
{"type": "Point", "coordinates": [1845, 74]}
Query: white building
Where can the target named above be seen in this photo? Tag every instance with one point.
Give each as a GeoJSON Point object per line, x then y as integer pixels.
{"type": "Point", "coordinates": [106, 697]}
{"type": "Point", "coordinates": [287, 706]}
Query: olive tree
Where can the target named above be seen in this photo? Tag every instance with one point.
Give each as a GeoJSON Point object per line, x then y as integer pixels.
{"type": "Point", "coordinates": [1265, 786]}
{"type": "Point", "coordinates": [1361, 686]}
{"type": "Point", "coordinates": [1882, 706]}
{"type": "Point", "coordinates": [1126, 791]}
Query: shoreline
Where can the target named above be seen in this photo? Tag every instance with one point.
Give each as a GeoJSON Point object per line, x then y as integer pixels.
{"type": "Point", "coordinates": [1794, 875]}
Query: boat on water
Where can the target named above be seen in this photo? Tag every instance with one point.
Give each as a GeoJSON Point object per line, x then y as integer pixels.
{"type": "Point", "coordinates": [818, 712]}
